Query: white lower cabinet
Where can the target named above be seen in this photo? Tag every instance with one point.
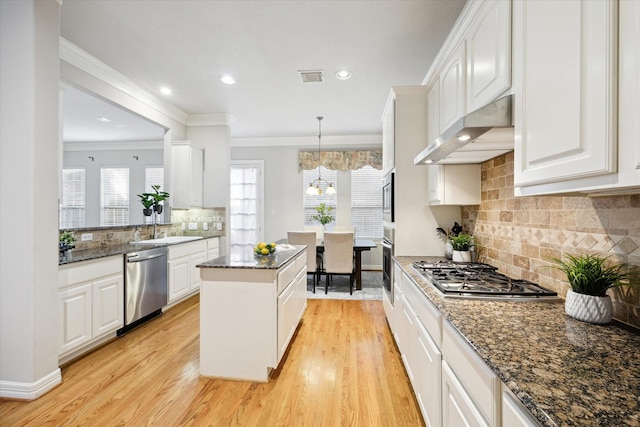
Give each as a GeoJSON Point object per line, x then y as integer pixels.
{"type": "Point", "coordinates": [428, 377]}
{"type": "Point", "coordinates": [291, 305]}
{"type": "Point", "coordinates": [458, 408]}
{"type": "Point", "coordinates": [90, 303]}
{"type": "Point", "coordinates": [184, 276]}
{"type": "Point", "coordinates": [514, 414]}
{"type": "Point", "coordinates": [213, 248]}
{"type": "Point", "coordinates": [452, 384]}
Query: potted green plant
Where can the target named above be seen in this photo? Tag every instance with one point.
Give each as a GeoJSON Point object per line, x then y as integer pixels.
{"type": "Point", "coordinates": [461, 247]}
{"type": "Point", "coordinates": [158, 196]}
{"type": "Point", "coordinates": [66, 240]}
{"type": "Point", "coordinates": [323, 215]}
{"type": "Point", "coordinates": [147, 201]}
{"type": "Point", "coordinates": [590, 276]}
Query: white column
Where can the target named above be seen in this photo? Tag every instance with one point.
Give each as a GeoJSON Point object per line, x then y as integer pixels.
{"type": "Point", "coordinates": [29, 64]}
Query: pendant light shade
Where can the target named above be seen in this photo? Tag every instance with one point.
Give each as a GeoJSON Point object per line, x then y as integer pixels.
{"type": "Point", "coordinates": [314, 188]}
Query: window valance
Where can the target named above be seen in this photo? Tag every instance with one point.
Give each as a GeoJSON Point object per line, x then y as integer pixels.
{"type": "Point", "coordinates": [340, 160]}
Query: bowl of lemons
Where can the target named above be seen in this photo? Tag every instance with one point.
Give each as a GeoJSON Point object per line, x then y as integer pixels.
{"type": "Point", "coordinates": [265, 249]}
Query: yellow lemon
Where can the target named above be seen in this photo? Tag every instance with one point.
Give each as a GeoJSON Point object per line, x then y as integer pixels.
{"type": "Point", "coordinates": [261, 245]}
{"type": "Point", "coordinates": [265, 251]}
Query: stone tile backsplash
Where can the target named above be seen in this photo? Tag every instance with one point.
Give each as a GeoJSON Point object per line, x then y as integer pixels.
{"type": "Point", "coordinates": [106, 236]}
{"type": "Point", "coordinates": [519, 234]}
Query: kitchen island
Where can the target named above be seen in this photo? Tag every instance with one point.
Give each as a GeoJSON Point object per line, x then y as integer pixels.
{"type": "Point", "coordinates": [250, 308]}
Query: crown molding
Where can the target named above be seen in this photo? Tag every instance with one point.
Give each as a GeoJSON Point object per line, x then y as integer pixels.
{"type": "Point", "coordinates": [221, 119]}
{"type": "Point", "coordinates": [79, 58]}
{"type": "Point", "coordinates": [337, 141]}
{"type": "Point", "coordinates": [113, 145]}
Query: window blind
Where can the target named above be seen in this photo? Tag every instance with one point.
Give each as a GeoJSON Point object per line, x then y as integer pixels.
{"type": "Point", "coordinates": [366, 202]}
{"type": "Point", "coordinates": [244, 210]}
{"type": "Point", "coordinates": [114, 196]}
{"type": "Point", "coordinates": [310, 202]}
{"type": "Point", "coordinates": [72, 208]}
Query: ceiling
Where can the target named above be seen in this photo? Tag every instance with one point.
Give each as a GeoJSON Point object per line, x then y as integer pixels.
{"type": "Point", "coordinates": [189, 45]}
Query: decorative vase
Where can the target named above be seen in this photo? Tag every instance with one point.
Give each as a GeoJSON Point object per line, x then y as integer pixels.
{"type": "Point", "coordinates": [589, 308]}
{"type": "Point", "coordinates": [147, 212]}
{"type": "Point", "coordinates": [157, 208]}
{"type": "Point", "coordinates": [461, 256]}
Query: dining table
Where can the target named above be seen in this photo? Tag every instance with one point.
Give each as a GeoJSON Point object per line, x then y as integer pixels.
{"type": "Point", "coordinates": [359, 245]}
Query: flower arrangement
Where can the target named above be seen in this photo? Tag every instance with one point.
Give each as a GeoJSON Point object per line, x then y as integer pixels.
{"type": "Point", "coordinates": [323, 216]}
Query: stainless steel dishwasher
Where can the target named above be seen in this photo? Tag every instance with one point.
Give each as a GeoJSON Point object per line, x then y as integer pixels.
{"type": "Point", "coordinates": [145, 286]}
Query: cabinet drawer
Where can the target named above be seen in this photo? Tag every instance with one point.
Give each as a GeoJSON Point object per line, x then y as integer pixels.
{"type": "Point", "coordinates": [89, 270]}
{"type": "Point", "coordinates": [479, 381]}
{"type": "Point", "coordinates": [213, 243]}
{"type": "Point", "coordinates": [286, 275]}
{"type": "Point", "coordinates": [186, 249]}
{"type": "Point", "coordinates": [429, 316]}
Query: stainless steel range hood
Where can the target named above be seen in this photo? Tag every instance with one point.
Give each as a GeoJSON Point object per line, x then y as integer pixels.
{"type": "Point", "coordinates": [479, 136]}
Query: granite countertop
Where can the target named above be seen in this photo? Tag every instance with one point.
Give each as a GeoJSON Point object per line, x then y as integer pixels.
{"type": "Point", "coordinates": [251, 261]}
{"type": "Point", "coordinates": [112, 250]}
{"type": "Point", "coordinates": [566, 372]}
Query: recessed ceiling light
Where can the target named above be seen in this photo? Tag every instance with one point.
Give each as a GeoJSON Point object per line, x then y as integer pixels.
{"type": "Point", "coordinates": [343, 74]}
{"type": "Point", "coordinates": [227, 79]}
{"type": "Point", "coordinates": [104, 120]}
{"type": "Point", "coordinates": [165, 90]}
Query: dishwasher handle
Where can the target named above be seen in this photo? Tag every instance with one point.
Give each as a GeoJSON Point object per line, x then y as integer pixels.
{"type": "Point", "coordinates": [135, 258]}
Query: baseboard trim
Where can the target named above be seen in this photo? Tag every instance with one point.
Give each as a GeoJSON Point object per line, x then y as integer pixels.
{"type": "Point", "coordinates": [30, 391]}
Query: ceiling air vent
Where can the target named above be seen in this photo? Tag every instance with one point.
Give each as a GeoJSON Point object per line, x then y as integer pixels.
{"type": "Point", "coordinates": [310, 76]}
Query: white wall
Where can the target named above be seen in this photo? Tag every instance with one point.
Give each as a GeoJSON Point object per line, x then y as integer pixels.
{"type": "Point", "coordinates": [283, 192]}
{"type": "Point", "coordinates": [114, 158]}
{"type": "Point", "coordinates": [29, 108]}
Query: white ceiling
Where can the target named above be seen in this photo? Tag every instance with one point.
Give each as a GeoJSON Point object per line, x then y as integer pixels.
{"type": "Point", "coordinates": [188, 45]}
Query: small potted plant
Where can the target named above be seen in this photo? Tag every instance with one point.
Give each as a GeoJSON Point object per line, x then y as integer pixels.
{"type": "Point", "coordinates": [147, 201]}
{"type": "Point", "coordinates": [590, 276]}
{"type": "Point", "coordinates": [323, 216]}
{"type": "Point", "coordinates": [158, 196]}
{"type": "Point", "coordinates": [461, 244]}
{"type": "Point", "coordinates": [66, 241]}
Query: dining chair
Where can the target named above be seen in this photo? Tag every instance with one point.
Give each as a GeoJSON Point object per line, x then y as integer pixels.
{"type": "Point", "coordinates": [318, 229]}
{"type": "Point", "coordinates": [307, 238]}
{"type": "Point", "coordinates": [338, 257]}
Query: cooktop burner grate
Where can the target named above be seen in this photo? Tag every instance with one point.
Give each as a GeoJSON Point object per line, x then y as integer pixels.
{"type": "Point", "coordinates": [478, 280]}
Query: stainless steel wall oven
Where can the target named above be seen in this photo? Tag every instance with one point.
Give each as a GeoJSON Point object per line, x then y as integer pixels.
{"type": "Point", "coordinates": [387, 261]}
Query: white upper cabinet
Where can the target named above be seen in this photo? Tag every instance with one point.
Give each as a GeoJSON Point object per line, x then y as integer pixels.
{"type": "Point", "coordinates": [629, 96]}
{"type": "Point", "coordinates": [488, 58]}
{"type": "Point", "coordinates": [433, 112]}
{"type": "Point", "coordinates": [388, 136]}
{"type": "Point", "coordinates": [565, 86]}
{"type": "Point", "coordinates": [452, 88]}
{"type": "Point", "coordinates": [187, 176]}
{"type": "Point", "coordinates": [454, 184]}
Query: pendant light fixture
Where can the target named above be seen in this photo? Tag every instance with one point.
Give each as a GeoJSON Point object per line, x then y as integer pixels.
{"type": "Point", "coordinates": [314, 186]}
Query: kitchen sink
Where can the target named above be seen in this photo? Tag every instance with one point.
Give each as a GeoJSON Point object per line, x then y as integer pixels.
{"type": "Point", "coordinates": [167, 240]}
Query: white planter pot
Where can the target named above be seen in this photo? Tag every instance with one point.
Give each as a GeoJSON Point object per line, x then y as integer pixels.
{"type": "Point", "coordinates": [589, 308]}
{"type": "Point", "coordinates": [461, 256]}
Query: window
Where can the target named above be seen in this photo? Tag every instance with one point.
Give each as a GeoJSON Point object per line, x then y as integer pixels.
{"type": "Point", "coordinates": [73, 205]}
{"type": "Point", "coordinates": [310, 202]}
{"type": "Point", "coordinates": [153, 175]}
{"type": "Point", "coordinates": [114, 196]}
{"type": "Point", "coordinates": [366, 202]}
{"type": "Point", "coordinates": [245, 210]}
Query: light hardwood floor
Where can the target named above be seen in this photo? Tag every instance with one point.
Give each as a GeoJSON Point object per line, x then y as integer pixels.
{"type": "Point", "coordinates": [342, 369]}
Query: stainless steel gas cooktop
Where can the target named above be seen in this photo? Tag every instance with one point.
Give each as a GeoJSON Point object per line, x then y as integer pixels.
{"type": "Point", "coordinates": [476, 280]}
